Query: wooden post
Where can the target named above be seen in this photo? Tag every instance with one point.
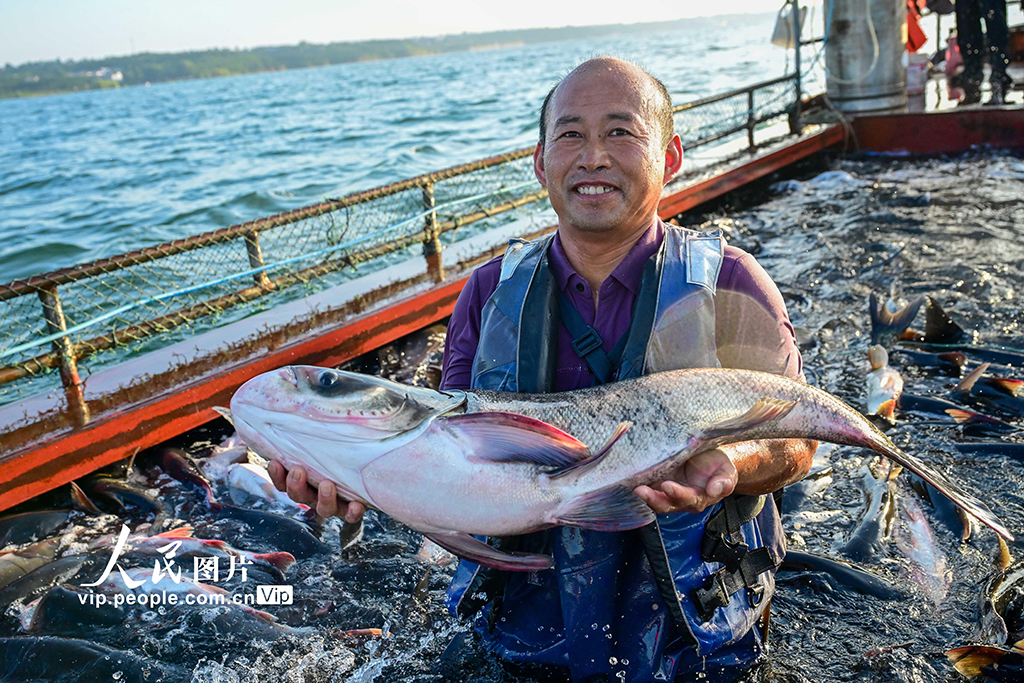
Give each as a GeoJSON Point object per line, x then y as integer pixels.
{"type": "Point", "coordinates": [795, 124]}
{"type": "Point", "coordinates": [431, 241]}
{"type": "Point", "coordinates": [252, 245]}
{"type": "Point", "coordinates": [56, 323]}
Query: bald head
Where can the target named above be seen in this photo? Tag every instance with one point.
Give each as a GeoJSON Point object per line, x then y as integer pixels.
{"type": "Point", "coordinates": [651, 91]}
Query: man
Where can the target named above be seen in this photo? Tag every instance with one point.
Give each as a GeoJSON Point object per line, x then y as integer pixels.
{"type": "Point", "coordinates": [613, 294]}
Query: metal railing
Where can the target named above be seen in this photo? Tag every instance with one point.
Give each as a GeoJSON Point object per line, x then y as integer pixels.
{"type": "Point", "coordinates": [55, 320]}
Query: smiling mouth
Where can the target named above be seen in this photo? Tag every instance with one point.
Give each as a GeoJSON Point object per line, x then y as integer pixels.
{"type": "Point", "coordinates": [594, 189]}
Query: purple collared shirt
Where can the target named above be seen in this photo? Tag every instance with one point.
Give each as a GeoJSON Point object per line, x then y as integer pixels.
{"type": "Point", "coordinates": [752, 327]}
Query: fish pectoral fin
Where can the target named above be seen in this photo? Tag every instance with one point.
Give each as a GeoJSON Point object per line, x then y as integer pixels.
{"type": "Point", "coordinates": [507, 437]}
{"type": "Point", "coordinates": [764, 410]}
{"type": "Point", "coordinates": [588, 463]}
{"type": "Point", "coordinates": [615, 508]}
{"type": "Point", "coordinates": [474, 550]}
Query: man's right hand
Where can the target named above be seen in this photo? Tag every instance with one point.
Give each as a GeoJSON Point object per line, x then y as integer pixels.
{"type": "Point", "coordinates": [325, 498]}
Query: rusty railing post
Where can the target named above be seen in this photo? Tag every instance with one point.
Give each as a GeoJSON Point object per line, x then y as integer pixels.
{"type": "Point", "coordinates": [432, 237]}
{"type": "Point", "coordinates": [56, 323]}
{"type": "Point", "coordinates": [252, 245]}
{"type": "Point", "coordinates": [750, 117]}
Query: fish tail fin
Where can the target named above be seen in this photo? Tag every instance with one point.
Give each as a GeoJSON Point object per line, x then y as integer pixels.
{"type": "Point", "coordinates": [963, 416]}
{"type": "Point", "coordinates": [615, 508]}
{"type": "Point", "coordinates": [963, 500]}
{"type": "Point", "coordinates": [887, 327]}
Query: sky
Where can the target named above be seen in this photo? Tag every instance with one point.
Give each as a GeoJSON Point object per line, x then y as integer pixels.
{"type": "Point", "coordinates": [43, 30]}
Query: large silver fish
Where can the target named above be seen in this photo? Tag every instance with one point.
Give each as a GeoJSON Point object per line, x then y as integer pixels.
{"type": "Point", "coordinates": [452, 464]}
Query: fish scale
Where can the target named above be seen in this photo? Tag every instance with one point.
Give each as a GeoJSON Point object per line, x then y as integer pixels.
{"type": "Point", "coordinates": [452, 464]}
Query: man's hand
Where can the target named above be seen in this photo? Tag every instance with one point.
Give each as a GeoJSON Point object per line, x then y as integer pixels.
{"type": "Point", "coordinates": [325, 498]}
{"type": "Point", "coordinates": [702, 481]}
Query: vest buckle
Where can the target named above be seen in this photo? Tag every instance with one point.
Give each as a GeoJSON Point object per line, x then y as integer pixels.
{"type": "Point", "coordinates": [587, 343]}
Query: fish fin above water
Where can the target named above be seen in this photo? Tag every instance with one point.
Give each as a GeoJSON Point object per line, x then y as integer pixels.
{"type": "Point", "coordinates": [223, 412]}
{"type": "Point", "coordinates": [469, 548]}
{"type": "Point", "coordinates": [615, 508]}
{"type": "Point", "coordinates": [506, 437]}
{"type": "Point", "coordinates": [764, 410]}
{"type": "Point", "coordinates": [82, 502]}
{"type": "Point", "coordinates": [887, 409]}
{"type": "Point", "coordinates": [1005, 384]}
{"type": "Point", "coordinates": [969, 659]}
{"type": "Point", "coordinates": [939, 328]}
{"type": "Point", "coordinates": [965, 385]}
{"type": "Point", "coordinates": [964, 416]}
{"type": "Point", "coordinates": [589, 463]}
{"type": "Point", "coordinates": [886, 327]}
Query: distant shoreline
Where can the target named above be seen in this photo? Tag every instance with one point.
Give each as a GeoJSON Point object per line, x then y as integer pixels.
{"type": "Point", "coordinates": [39, 79]}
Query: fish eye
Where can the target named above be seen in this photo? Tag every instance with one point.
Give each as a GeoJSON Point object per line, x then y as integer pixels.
{"type": "Point", "coordinates": [327, 379]}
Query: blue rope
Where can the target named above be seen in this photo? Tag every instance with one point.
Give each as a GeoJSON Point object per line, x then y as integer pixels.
{"type": "Point", "coordinates": [249, 273]}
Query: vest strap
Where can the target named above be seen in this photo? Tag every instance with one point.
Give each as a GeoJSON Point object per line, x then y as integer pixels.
{"type": "Point", "coordinates": [723, 543]}
{"type": "Point", "coordinates": [587, 343]}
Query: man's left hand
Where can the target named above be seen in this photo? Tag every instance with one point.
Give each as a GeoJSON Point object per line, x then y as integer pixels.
{"type": "Point", "coordinates": [701, 481]}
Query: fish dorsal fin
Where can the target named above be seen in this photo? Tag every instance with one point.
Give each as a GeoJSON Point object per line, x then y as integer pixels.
{"type": "Point", "coordinates": [82, 501]}
{"type": "Point", "coordinates": [511, 438]}
{"type": "Point", "coordinates": [939, 328]}
{"type": "Point", "coordinates": [180, 532]}
{"type": "Point", "coordinates": [765, 409]}
{"type": "Point", "coordinates": [965, 385]}
{"type": "Point", "coordinates": [223, 412]}
{"type": "Point", "coordinates": [589, 463]}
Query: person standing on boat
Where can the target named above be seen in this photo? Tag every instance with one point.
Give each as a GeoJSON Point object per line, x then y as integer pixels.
{"type": "Point", "coordinates": [612, 294]}
{"type": "Point", "coordinates": [974, 44]}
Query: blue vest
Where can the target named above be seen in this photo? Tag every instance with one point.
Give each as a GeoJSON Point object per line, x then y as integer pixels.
{"type": "Point", "coordinates": [602, 602]}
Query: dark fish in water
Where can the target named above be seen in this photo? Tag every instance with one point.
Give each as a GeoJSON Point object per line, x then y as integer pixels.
{"type": "Point", "coordinates": [868, 538]}
{"type": "Point", "coordinates": [178, 465]}
{"type": "Point", "coordinates": [972, 422]}
{"type": "Point", "coordinates": [63, 609]}
{"type": "Point", "coordinates": [950, 515]}
{"type": "Point", "coordinates": [67, 660]}
{"type": "Point", "coordinates": [890, 321]}
{"type": "Point", "coordinates": [796, 495]}
{"type": "Point", "coordinates": [1012, 450]}
{"type": "Point", "coordinates": [79, 568]}
{"type": "Point", "coordinates": [410, 452]}
{"type": "Point", "coordinates": [31, 526]}
{"type": "Point", "coordinates": [123, 494]}
{"type": "Point", "coordinates": [1004, 664]}
{"type": "Point", "coordinates": [847, 574]}
{"type": "Point", "coordinates": [15, 564]}
{"type": "Point", "coordinates": [281, 532]}
{"type": "Point", "coordinates": [993, 394]}
{"type": "Point", "coordinates": [1001, 607]}
{"type": "Point", "coordinates": [915, 540]}
{"type": "Point", "coordinates": [943, 334]}
{"type": "Point", "coordinates": [950, 362]}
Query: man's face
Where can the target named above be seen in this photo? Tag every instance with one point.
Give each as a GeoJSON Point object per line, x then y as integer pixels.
{"type": "Point", "coordinates": [603, 161]}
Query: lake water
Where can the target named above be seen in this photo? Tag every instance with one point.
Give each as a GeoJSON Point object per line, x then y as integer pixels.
{"type": "Point", "coordinates": [89, 175]}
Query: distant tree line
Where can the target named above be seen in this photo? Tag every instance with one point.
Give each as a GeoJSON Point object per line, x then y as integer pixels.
{"type": "Point", "coordinates": [36, 78]}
